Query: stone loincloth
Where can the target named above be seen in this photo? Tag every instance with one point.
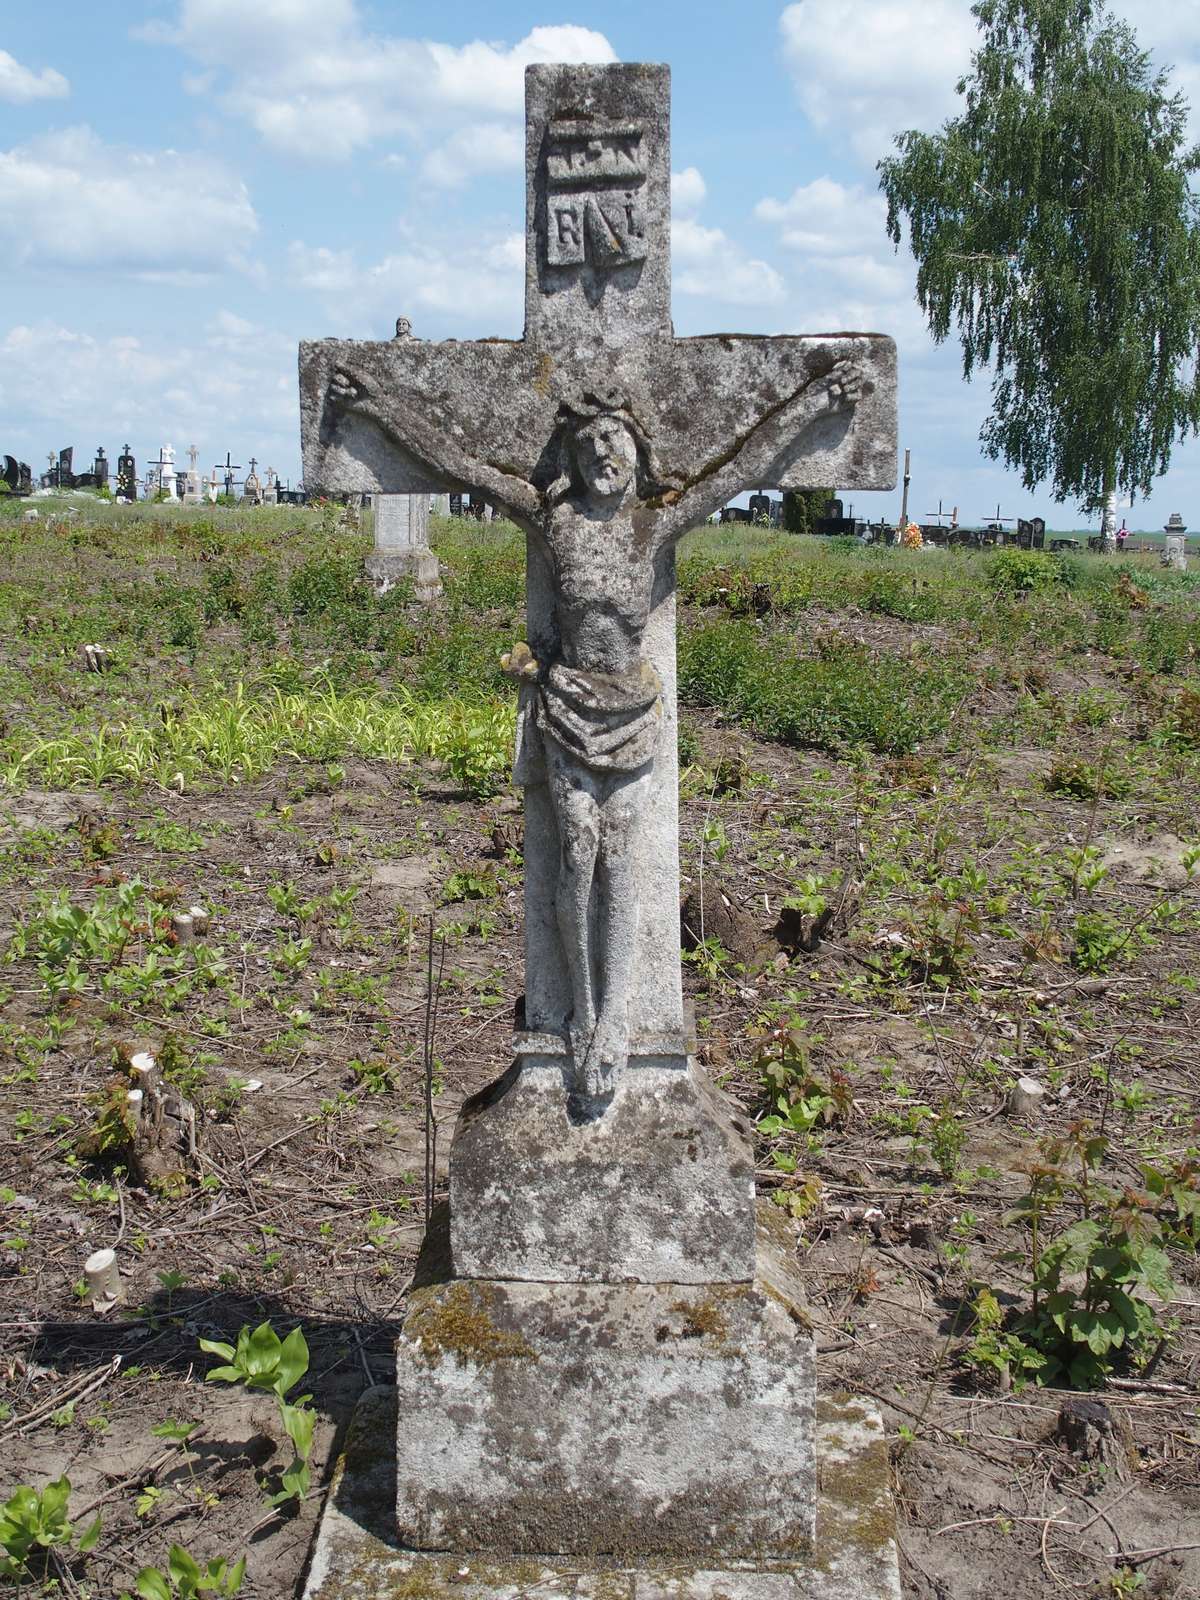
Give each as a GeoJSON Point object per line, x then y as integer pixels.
{"type": "Point", "coordinates": [609, 721]}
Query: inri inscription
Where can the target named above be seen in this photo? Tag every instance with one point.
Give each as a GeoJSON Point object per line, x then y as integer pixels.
{"type": "Point", "coordinates": [595, 209]}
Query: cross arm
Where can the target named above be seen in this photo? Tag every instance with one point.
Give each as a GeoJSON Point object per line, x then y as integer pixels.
{"type": "Point", "coordinates": [407, 416]}
{"type": "Point", "coordinates": [788, 413]}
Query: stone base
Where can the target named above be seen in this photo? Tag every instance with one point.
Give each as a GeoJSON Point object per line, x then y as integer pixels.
{"type": "Point", "coordinates": [608, 1419]}
{"type": "Point", "coordinates": [652, 1186]}
{"type": "Point", "coordinates": [386, 568]}
{"type": "Point", "coordinates": [357, 1555]}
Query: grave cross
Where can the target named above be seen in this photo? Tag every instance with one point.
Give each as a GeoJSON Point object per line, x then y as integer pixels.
{"type": "Point", "coordinates": [193, 455]}
{"type": "Point", "coordinates": [229, 468]}
{"type": "Point", "coordinates": [601, 1206]}
{"type": "Point", "coordinates": [605, 438]}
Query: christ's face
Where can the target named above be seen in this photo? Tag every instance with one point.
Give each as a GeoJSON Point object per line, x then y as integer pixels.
{"type": "Point", "coordinates": [606, 456]}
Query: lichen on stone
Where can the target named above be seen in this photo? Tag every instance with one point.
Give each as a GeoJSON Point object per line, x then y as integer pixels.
{"type": "Point", "coordinates": [458, 1321]}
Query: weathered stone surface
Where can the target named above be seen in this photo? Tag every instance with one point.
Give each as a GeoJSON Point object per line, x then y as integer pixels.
{"type": "Point", "coordinates": [606, 439]}
{"type": "Point", "coordinates": [658, 1189]}
{"type": "Point", "coordinates": [401, 522]}
{"type": "Point", "coordinates": [387, 568]}
{"type": "Point", "coordinates": [595, 1419]}
{"type": "Point", "coordinates": [357, 1555]}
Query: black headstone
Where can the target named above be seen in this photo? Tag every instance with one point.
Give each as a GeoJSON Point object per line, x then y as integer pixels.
{"type": "Point", "coordinates": [126, 475]}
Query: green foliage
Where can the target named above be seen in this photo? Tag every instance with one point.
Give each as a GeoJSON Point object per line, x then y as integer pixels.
{"type": "Point", "coordinates": [802, 507]}
{"type": "Point", "coordinates": [846, 695]}
{"type": "Point", "coordinates": [1054, 226]}
{"type": "Point", "coordinates": [186, 1578]}
{"type": "Point", "coordinates": [260, 1359]}
{"type": "Point", "coordinates": [800, 1100]}
{"type": "Point", "coordinates": [1088, 1285]}
{"type": "Point", "coordinates": [1175, 1192]}
{"type": "Point", "coordinates": [1015, 572]}
{"type": "Point", "coordinates": [34, 1522]}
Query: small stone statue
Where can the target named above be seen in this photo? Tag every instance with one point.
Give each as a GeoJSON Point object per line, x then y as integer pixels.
{"type": "Point", "coordinates": [403, 328]}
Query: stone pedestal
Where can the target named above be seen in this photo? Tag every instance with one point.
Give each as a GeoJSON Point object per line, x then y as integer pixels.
{"type": "Point", "coordinates": [357, 1555]}
{"type": "Point", "coordinates": [656, 1187]}
{"type": "Point", "coordinates": [402, 545]}
{"type": "Point", "coordinates": [606, 1419]}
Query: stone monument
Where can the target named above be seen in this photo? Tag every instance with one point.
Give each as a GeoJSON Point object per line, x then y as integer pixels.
{"type": "Point", "coordinates": [252, 488]}
{"type": "Point", "coordinates": [609, 1365]}
{"type": "Point", "coordinates": [127, 478]}
{"type": "Point", "coordinates": [1174, 553]}
{"type": "Point", "coordinates": [402, 545]}
{"type": "Point", "coordinates": [271, 488]}
{"type": "Point", "coordinates": [191, 485]}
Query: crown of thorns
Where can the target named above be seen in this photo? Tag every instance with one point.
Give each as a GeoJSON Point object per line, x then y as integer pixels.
{"type": "Point", "coordinates": [591, 404]}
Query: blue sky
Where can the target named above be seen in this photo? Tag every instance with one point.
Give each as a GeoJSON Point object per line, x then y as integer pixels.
{"type": "Point", "coordinates": [189, 187]}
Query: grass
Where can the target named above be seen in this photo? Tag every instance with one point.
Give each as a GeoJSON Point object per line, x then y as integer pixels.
{"type": "Point", "coordinates": [950, 798]}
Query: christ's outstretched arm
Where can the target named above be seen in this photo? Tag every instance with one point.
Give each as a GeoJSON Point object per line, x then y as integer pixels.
{"type": "Point", "coordinates": [764, 454]}
{"type": "Point", "coordinates": [438, 450]}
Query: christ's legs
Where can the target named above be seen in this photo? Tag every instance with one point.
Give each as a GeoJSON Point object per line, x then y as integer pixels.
{"type": "Point", "coordinates": [621, 811]}
{"type": "Point", "coordinates": [578, 815]}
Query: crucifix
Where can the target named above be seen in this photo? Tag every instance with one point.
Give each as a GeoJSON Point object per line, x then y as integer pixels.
{"type": "Point", "coordinates": [601, 1195]}
{"type": "Point", "coordinates": [193, 456]}
{"type": "Point", "coordinates": [228, 467]}
{"type": "Point", "coordinates": [605, 438]}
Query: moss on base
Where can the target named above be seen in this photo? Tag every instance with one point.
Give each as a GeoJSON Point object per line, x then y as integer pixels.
{"type": "Point", "coordinates": [458, 1321]}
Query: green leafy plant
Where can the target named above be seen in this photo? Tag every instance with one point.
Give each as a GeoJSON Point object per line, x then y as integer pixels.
{"type": "Point", "coordinates": [1088, 1305]}
{"type": "Point", "coordinates": [800, 1099]}
{"type": "Point", "coordinates": [35, 1523]}
{"type": "Point", "coordinates": [186, 1578]}
{"type": "Point", "coordinates": [261, 1360]}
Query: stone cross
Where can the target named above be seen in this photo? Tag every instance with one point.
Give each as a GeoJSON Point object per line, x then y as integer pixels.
{"type": "Point", "coordinates": [606, 438]}
{"type": "Point", "coordinates": [620, 1361]}
{"type": "Point", "coordinates": [191, 491]}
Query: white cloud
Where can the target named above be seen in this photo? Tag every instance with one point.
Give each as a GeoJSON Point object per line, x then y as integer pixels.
{"type": "Point", "coordinates": [19, 85]}
{"type": "Point", "coordinates": [314, 83]}
{"type": "Point", "coordinates": [706, 261]}
{"type": "Point", "coordinates": [865, 70]}
{"type": "Point", "coordinates": [67, 199]}
{"type": "Point", "coordinates": [688, 190]}
{"type": "Point", "coordinates": [232, 386]}
{"type": "Point", "coordinates": [826, 218]}
{"type": "Point", "coordinates": [460, 288]}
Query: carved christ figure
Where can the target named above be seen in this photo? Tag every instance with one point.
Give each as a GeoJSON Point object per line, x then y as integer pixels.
{"type": "Point", "coordinates": [590, 717]}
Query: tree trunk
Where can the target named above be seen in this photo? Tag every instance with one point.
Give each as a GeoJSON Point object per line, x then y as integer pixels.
{"type": "Point", "coordinates": [1108, 517]}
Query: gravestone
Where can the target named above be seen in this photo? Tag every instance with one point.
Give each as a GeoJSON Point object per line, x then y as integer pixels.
{"type": "Point", "coordinates": [610, 1362]}
{"type": "Point", "coordinates": [127, 478]}
{"type": "Point", "coordinates": [227, 468]}
{"type": "Point", "coordinates": [252, 488]}
{"type": "Point", "coordinates": [18, 475]}
{"type": "Point", "coordinates": [191, 485]}
{"type": "Point", "coordinates": [164, 477]}
{"type": "Point", "coordinates": [402, 545]}
{"type": "Point", "coordinates": [271, 488]}
{"type": "Point", "coordinates": [1175, 545]}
